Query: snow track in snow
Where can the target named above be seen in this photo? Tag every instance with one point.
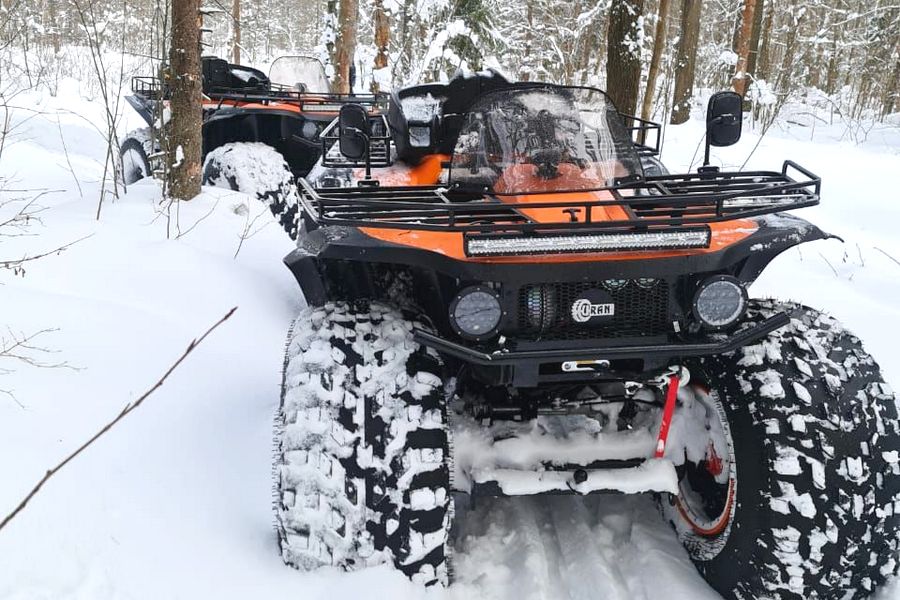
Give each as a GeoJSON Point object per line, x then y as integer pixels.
{"type": "Point", "coordinates": [567, 547]}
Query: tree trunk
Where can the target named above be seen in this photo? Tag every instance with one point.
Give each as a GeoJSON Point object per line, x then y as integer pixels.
{"type": "Point", "coordinates": [527, 62]}
{"type": "Point", "coordinates": [762, 66]}
{"type": "Point", "coordinates": [403, 61]}
{"type": "Point", "coordinates": [659, 43]}
{"type": "Point", "coordinates": [754, 37]}
{"type": "Point", "coordinates": [345, 45]}
{"type": "Point", "coordinates": [382, 40]}
{"type": "Point", "coordinates": [739, 80]}
{"type": "Point", "coordinates": [184, 125]}
{"type": "Point", "coordinates": [891, 93]}
{"type": "Point", "coordinates": [623, 63]}
{"type": "Point", "coordinates": [236, 32]}
{"type": "Point", "coordinates": [53, 17]}
{"type": "Point", "coordinates": [686, 60]}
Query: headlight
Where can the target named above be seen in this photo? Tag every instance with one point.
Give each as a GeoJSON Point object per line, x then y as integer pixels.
{"type": "Point", "coordinates": [720, 301]}
{"type": "Point", "coordinates": [475, 312]}
{"type": "Point", "coordinates": [309, 130]}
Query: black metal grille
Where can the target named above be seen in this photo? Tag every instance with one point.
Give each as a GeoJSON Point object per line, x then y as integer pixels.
{"type": "Point", "coordinates": [545, 310]}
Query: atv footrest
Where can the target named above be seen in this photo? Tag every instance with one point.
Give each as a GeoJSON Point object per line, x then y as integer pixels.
{"type": "Point", "coordinates": [651, 475]}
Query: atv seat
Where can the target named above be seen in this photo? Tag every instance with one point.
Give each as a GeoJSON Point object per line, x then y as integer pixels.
{"type": "Point", "coordinates": [220, 77]}
{"type": "Point", "coordinates": [426, 119]}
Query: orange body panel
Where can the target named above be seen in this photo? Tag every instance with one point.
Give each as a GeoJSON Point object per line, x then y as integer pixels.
{"type": "Point", "coordinates": [426, 172]}
{"type": "Point", "coordinates": [451, 244]}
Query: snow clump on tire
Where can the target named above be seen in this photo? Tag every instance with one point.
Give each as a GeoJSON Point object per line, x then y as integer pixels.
{"type": "Point", "coordinates": [259, 170]}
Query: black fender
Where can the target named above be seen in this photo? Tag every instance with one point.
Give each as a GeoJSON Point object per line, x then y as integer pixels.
{"type": "Point", "coordinates": [142, 106]}
{"type": "Point", "coordinates": [777, 233]}
{"type": "Point", "coordinates": [282, 129]}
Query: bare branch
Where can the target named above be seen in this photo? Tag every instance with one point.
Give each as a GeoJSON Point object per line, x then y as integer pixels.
{"type": "Point", "coordinates": [16, 264]}
{"type": "Point", "coordinates": [131, 406]}
{"type": "Point", "coordinates": [888, 255]}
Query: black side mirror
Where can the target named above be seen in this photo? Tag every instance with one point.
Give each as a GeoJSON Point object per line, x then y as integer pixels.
{"type": "Point", "coordinates": [354, 136]}
{"type": "Point", "coordinates": [354, 143]}
{"type": "Point", "coordinates": [723, 123]}
{"type": "Point", "coordinates": [353, 130]}
{"type": "Point", "coordinates": [723, 119]}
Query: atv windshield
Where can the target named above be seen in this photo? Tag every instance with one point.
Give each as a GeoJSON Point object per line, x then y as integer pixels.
{"type": "Point", "coordinates": [300, 73]}
{"type": "Point", "coordinates": [542, 139]}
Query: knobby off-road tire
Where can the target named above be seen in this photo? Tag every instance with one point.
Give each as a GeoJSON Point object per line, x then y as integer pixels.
{"type": "Point", "coordinates": [135, 151]}
{"type": "Point", "coordinates": [816, 510]}
{"type": "Point", "coordinates": [258, 170]}
{"type": "Point", "coordinates": [362, 461]}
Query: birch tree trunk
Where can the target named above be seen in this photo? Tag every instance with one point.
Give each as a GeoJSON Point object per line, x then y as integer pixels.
{"type": "Point", "coordinates": [623, 64]}
{"type": "Point", "coordinates": [659, 43]}
{"type": "Point", "coordinates": [686, 60]}
{"type": "Point", "coordinates": [184, 125]}
{"type": "Point", "coordinates": [739, 80]}
{"type": "Point", "coordinates": [236, 32]}
{"type": "Point", "coordinates": [345, 45]}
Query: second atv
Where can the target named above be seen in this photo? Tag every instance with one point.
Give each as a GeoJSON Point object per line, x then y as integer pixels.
{"type": "Point", "coordinates": [260, 132]}
{"type": "Point", "coordinates": [503, 300]}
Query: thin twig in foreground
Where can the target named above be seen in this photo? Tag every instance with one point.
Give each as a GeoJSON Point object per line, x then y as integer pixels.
{"type": "Point", "coordinates": [888, 255]}
{"type": "Point", "coordinates": [9, 264]}
{"type": "Point", "coordinates": [125, 412]}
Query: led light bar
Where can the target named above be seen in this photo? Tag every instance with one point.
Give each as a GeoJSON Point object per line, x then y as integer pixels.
{"type": "Point", "coordinates": [765, 201]}
{"type": "Point", "coordinates": [669, 239]}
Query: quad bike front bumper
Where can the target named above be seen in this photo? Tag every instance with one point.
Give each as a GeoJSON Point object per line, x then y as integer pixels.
{"type": "Point", "coordinates": [525, 370]}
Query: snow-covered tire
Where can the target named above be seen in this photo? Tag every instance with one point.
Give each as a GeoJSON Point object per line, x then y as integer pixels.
{"type": "Point", "coordinates": [259, 170]}
{"type": "Point", "coordinates": [362, 472]}
{"type": "Point", "coordinates": [135, 150]}
{"type": "Point", "coordinates": [813, 505]}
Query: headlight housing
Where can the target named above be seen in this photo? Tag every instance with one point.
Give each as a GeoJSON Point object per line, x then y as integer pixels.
{"type": "Point", "coordinates": [475, 312]}
{"type": "Point", "coordinates": [720, 301]}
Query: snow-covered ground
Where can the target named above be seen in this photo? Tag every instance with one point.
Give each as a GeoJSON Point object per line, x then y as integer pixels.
{"type": "Point", "coordinates": [174, 502]}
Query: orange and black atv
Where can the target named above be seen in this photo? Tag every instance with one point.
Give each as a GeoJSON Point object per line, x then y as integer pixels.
{"type": "Point", "coordinates": [509, 296]}
{"type": "Point", "coordinates": [259, 132]}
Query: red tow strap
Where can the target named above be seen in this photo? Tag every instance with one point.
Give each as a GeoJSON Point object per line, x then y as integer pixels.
{"type": "Point", "coordinates": [671, 394]}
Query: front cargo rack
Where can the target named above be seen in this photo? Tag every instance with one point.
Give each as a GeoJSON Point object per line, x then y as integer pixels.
{"type": "Point", "coordinates": [307, 101]}
{"type": "Point", "coordinates": [678, 205]}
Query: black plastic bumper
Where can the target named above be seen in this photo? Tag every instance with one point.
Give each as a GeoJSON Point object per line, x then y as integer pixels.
{"type": "Point", "coordinates": [657, 351]}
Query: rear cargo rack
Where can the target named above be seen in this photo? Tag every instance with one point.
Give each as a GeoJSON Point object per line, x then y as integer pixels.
{"type": "Point", "coordinates": [149, 88]}
{"type": "Point", "coordinates": [645, 134]}
{"type": "Point", "coordinates": [670, 204]}
{"type": "Point", "coordinates": [379, 146]}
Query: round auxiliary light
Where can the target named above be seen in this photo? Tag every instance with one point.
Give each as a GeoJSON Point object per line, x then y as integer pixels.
{"type": "Point", "coordinates": [720, 301]}
{"type": "Point", "coordinates": [475, 312]}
